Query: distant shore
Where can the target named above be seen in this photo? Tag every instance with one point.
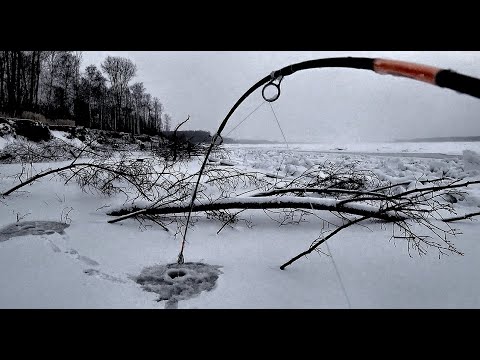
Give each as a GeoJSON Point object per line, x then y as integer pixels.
{"type": "Point", "coordinates": [443, 139]}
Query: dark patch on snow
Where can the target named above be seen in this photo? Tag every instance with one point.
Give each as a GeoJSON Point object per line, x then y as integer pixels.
{"type": "Point", "coordinates": [32, 228]}
{"type": "Point", "coordinates": [174, 282]}
{"type": "Point", "coordinates": [102, 275]}
{"type": "Point", "coordinates": [87, 260]}
{"type": "Point", "coordinates": [227, 163]}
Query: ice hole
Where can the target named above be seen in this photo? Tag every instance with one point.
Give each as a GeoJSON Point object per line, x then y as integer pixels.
{"type": "Point", "coordinates": [176, 273]}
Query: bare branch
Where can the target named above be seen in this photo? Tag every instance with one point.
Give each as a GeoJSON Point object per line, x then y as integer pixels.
{"type": "Point", "coordinates": [463, 217]}
{"type": "Point", "coordinates": [317, 244]}
{"type": "Point", "coordinates": [287, 202]}
{"type": "Point", "coordinates": [178, 126]}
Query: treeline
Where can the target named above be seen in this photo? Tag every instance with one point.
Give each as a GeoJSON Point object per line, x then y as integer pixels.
{"type": "Point", "coordinates": [50, 86]}
{"type": "Point", "coordinates": [193, 136]}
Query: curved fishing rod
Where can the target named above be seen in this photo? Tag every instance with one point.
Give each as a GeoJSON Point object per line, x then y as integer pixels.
{"type": "Point", "coordinates": [429, 74]}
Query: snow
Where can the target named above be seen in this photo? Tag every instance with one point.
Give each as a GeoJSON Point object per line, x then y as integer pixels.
{"type": "Point", "coordinates": [62, 135]}
{"type": "Point", "coordinates": [93, 264]}
{"type": "Point", "coordinates": [4, 141]}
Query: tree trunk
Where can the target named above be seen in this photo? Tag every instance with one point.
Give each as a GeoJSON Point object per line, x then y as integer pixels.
{"type": "Point", "coordinates": [2, 72]}
{"type": "Point", "coordinates": [32, 80]}
{"type": "Point", "coordinates": [37, 80]}
{"type": "Point", "coordinates": [286, 202]}
{"type": "Point", "coordinates": [52, 75]}
{"type": "Point", "coordinates": [18, 91]}
{"type": "Point", "coordinates": [89, 113]}
{"type": "Point", "coordinates": [11, 80]}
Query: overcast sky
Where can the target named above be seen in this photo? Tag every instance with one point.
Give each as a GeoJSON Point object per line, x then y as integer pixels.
{"type": "Point", "coordinates": [319, 105]}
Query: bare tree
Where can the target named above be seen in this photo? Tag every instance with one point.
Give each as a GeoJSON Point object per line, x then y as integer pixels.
{"type": "Point", "coordinates": [120, 72]}
{"type": "Point", "coordinates": [11, 72]}
{"type": "Point", "coordinates": [146, 111]}
{"type": "Point", "coordinates": [167, 122]}
{"type": "Point", "coordinates": [19, 79]}
{"type": "Point", "coordinates": [68, 65]}
{"type": "Point", "coordinates": [138, 91]}
{"type": "Point", "coordinates": [157, 110]}
{"type": "Point", "coordinates": [50, 71]}
{"type": "Point", "coordinates": [92, 92]}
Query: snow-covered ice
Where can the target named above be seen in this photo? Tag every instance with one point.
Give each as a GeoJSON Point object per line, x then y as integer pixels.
{"type": "Point", "coordinates": [93, 264]}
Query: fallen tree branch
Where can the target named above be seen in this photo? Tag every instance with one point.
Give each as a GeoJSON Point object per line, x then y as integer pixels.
{"type": "Point", "coordinates": [435, 188]}
{"type": "Point", "coordinates": [147, 179]}
{"type": "Point", "coordinates": [316, 191]}
{"type": "Point", "coordinates": [406, 183]}
{"type": "Point", "coordinates": [286, 202]}
{"type": "Point", "coordinates": [463, 217]}
{"type": "Point", "coordinates": [39, 176]}
{"type": "Point", "coordinates": [312, 248]}
{"type": "Point", "coordinates": [67, 167]}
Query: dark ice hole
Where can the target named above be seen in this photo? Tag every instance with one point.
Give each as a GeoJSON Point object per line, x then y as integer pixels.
{"type": "Point", "coordinates": [176, 273]}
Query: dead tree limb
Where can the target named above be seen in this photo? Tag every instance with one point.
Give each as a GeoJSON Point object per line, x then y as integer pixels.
{"type": "Point", "coordinates": [316, 191]}
{"type": "Point", "coordinates": [121, 174]}
{"type": "Point", "coordinates": [405, 183]}
{"type": "Point", "coordinates": [39, 176]}
{"type": "Point", "coordinates": [435, 188]}
{"type": "Point", "coordinates": [463, 217]}
{"type": "Point", "coordinates": [312, 248]}
{"type": "Point", "coordinates": [286, 202]}
{"type": "Point", "coordinates": [178, 126]}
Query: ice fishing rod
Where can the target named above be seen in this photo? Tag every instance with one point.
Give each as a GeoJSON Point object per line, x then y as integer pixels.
{"type": "Point", "coordinates": [436, 76]}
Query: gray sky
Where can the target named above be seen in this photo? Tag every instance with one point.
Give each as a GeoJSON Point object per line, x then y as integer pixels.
{"type": "Point", "coordinates": [319, 105]}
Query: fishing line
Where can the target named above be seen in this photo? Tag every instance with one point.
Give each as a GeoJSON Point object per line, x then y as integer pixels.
{"type": "Point", "coordinates": [338, 272]}
{"type": "Point", "coordinates": [278, 123]}
{"type": "Point", "coordinates": [284, 139]}
{"type": "Point", "coordinates": [339, 277]}
{"type": "Point", "coordinates": [246, 117]}
{"type": "Point", "coordinates": [328, 247]}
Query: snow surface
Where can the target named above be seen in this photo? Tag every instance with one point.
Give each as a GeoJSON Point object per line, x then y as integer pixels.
{"type": "Point", "coordinates": [4, 141]}
{"type": "Point", "coordinates": [174, 282]}
{"type": "Point", "coordinates": [94, 264]}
